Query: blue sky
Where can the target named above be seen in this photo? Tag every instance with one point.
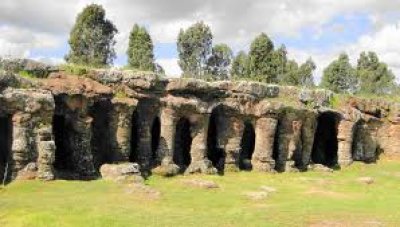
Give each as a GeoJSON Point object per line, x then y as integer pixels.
{"type": "Point", "coordinates": [320, 29]}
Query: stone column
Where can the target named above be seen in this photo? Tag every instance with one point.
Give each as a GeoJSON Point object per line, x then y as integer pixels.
{"type": "Point", "coordinates": [234, 132]}
{"type": "Point", "coordinates": [46, 149]}
{"type": "Point", "coordinates": [262, 159]}
{"type": "Point", "coordinates": [144, 142]}
{"type": "Point", "coordinates": [295, 147]}
{"type": "Point", "coordinates": [345, 142]}
{"type": "Point", "coordinates": [21, 145]}
{"type": "Point", "coordinates": [81, 146]}
{"type": "Point", "coordinates": [198, 151]}
{"type": "Point", "coordinates": [121, 129]}
{"type": "Point", "coordinates": [167, 136]}
{"type": "Point", "coordinates": [307, 135]}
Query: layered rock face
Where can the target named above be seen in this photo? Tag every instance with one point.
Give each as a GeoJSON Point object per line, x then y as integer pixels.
{"type": "Point", "coordinates": [68, 127]}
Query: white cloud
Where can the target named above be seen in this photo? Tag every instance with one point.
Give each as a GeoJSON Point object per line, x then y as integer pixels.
{"type": "Point", "coordinates": [385, 42]}
{"type": "Point", "coordinates": [27, 24]}
{"type": "Point", "coordinates": [170, 66]}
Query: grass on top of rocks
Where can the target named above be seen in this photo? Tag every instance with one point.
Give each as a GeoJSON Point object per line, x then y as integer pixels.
{"type": "Point", "coordinates": [361, 195]}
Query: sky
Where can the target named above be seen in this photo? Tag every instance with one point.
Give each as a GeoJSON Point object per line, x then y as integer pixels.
{"type": "Point", "coordinates": [320, 29]}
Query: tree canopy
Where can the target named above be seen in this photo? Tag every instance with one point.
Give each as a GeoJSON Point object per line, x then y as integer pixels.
{"type": "Point", "coordinates": [340, 76]}
{"type": "Point", "coordinates": [260, 59]}
{"type": "Point", "coordinates": [219, 62]}
{"type": "Point", "coordinates": [92, 38]}
{"type": "Point", "coordinates": [374, 76]}
{"type": "Point", "coordinates": [194, 47]}
{"type": "Point", "coordinates": [140, 49]}
{"type": "Point", "coordinates": [240, 67]}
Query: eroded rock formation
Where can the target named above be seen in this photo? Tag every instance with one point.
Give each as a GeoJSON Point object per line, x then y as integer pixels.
{"type": "Point", "coordinates": [67, 126]}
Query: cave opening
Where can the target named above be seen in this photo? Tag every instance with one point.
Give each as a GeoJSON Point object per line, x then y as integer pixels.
{"type": "Point", "coordinates": [247, 147]}
{"type": "Point", "coordinates": [100, 142]}
{"type": "Point", "coordinates": [5, 147]}
{"type": "Point", "coordinates": [63, 153]}
{"type": "Point", "coordinates": [214, 153]}
{"type": "Point", "coordinates": [133, 156]}
{"type": "Point", "coordinates": [155, 141]}
{"type": "Point", "coordinates": [183, 143]}
{"type": "Point", "coordinates": [325, 141]}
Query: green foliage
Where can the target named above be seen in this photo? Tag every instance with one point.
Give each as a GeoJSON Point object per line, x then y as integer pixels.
{"type": "Point", "coordinates": [140, 49]}
{"type": "Point", "coordinates": [340, 76]}
{"type": "Point", "coordinates": [26, 74]}
{"type": "Point", "coordinates": [219, 61]}
{"type": "Point", "coordinates": [375, 77]}
{"type": "Point", "coordinates": [305, 73]}
{"type": "Point", "coordinates": [74, 69]}
{"type": "Point", "coordinates": [334, 101]}
{"type": "Point", "coordinates": [296, 75]}
{"type": "Point", "coordinates": [240, 65]}
{"type": "Point", "coordinates": [260, 59]}
{"type": "Point", "coordinates": [194, 47]}
{"type": "Point", "coordinates": [279, 62]}
{"type": "Point", "coordinates": [291, 74]}
{"type": "Point", "coordinates": [92, 38]}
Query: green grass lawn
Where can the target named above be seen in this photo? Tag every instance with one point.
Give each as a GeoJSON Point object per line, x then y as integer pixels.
{"type": "Point", "coordinates": [301, 199]}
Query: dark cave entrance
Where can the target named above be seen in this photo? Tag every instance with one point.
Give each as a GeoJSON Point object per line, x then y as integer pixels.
{"type": "Point", "coordinates": [101, 142]}
{"type": "Point", "coordinates": [133, 156]}
{"type": "Point", "coordinates": [247, 147]}
{"type": "Point", "coordinates": [155, 140]}
{"type": "Point", "coordinates": [214, 153]}
{"type": "Point", "coordinates": [63, 153]}
{"type": "Point", "coordinates": [325, 141]}
{"type": "Point", "coordinates": [5, 147]}
{"type": "Point", "coordinates": [183, 143]}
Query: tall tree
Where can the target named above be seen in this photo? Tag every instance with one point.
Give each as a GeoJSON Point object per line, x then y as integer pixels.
{"type": "Point", "coordinates": [260, 59]}
{"type": "Point", "coordinates": [240, 65]}
{"type": "Point", "coordinates": [92, 38]}
{"type": "Point", "coordinates": [140, 49]}
{"type": "Point", "coordinates": [219, 61]}
{"type": "Point", "coordinates": [375, 77]}
{"type": "Point", "coordinates": [291, 74]}
{"type": "Point", "coordinates": [194, 47]}
{"type": "Point", "coordinates": [306, 73]}
{"type": "Point", "coordinates": [340, 76]}
{"type": "Point", "coordinates": [279, 62]}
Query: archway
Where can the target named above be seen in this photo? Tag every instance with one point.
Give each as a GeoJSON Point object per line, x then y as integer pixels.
{"type": "Point", "coordinates": [214, 153]}
{"type": "Point", "coordinates": [155, 140]}
{"type": "Point", "coordinates": [63, 153]}
{"type": "Point", "coordinates": [247, 147]}
{"type": "Point", "coordinates": [183, 143]}
{"type": "Point", "coordinates": [5, 147]}
{"type": "Point", "coordinates": [325, 141]}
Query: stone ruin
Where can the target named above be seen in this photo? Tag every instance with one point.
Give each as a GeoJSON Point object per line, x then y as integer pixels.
{"type": "Point", "coordinates": [67, 127]}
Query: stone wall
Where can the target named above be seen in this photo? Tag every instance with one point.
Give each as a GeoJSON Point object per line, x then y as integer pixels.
{"type": "Point", "coordinates": [68, 127]}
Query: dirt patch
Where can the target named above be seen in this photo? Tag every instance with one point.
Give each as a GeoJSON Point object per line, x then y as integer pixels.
{"type": "Point", "coordinates": [326, 193]}
{"type": "Point", "coordinates": [198, 183]}
{"type": "Point", "coordinates": [143, 190]}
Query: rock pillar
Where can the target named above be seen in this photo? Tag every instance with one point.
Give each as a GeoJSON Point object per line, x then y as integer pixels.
{"type": "Point", "coordinates": [345, 142]}
{"type": "Point", "coordinates": [121, 129]}
{"type": "Point", "coordinates": [80, 141]}
{"type": "Point", "coordinates": [307, 135]}
{"type": "Point", "coordinates": [21, 145]}
{"type": "Point", "coordinates": [262, 159]}
{"type": "Point", "coordinates": [46, 148]}
{"type": "Point", "coordinates": [198, 151]}
{"type": "Point", "coordinates": [233, 132]}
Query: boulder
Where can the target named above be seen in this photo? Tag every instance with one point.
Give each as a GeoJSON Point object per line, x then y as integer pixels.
{"type": "Point", "coordinates": [123, 173]}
